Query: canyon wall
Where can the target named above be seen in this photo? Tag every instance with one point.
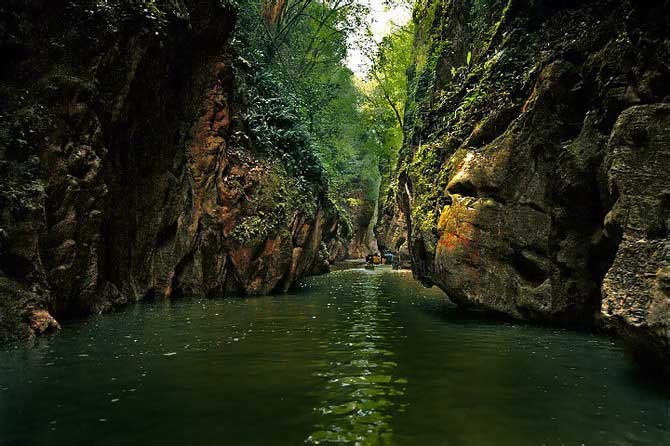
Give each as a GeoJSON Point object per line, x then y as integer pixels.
{"type": "Point", "coordinates": [362, 211]}
{"type": "Point", "coordinates": [391, 229]}
{"type": "Point", "coordinates": [129, 166]}
{"type": "Point", "coordinates": [535, 178]}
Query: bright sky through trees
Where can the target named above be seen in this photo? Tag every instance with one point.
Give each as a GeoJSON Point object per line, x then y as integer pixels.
{"type": "Point", "coordinates": [381, 21]}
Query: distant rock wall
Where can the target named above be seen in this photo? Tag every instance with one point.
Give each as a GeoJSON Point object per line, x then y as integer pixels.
{"type": "Point", "coordinates": [125, 170]}
{"type": "Point", "coordinates": [535, 178]}
{"type": "Point", "coordinates": [363, 216]}
{"type": "Point", "coordinates": [391, 229]}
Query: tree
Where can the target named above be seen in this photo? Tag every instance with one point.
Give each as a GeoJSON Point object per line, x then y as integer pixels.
{"type": "Point", "coordinates": [298, 48]}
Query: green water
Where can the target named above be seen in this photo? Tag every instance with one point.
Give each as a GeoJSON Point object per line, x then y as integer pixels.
{"type": "Point", "coordinates": [353, 357]}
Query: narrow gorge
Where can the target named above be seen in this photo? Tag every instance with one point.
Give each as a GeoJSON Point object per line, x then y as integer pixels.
{"type": "Point", "coordinates": [160, 159]}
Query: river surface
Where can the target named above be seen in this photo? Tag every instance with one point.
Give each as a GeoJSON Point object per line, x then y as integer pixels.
{"type": "Point", "coordinates": [352, 357]}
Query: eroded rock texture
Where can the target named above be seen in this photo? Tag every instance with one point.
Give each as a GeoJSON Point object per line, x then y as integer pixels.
{"type": "Point", "coordinates": [391, 229]}
{"type": "Point", "coordinates": [126, 167]}
{"type": "Point", "coordinates": [636, 289]}
{"type": "Point", "coordinates": [535, 178]}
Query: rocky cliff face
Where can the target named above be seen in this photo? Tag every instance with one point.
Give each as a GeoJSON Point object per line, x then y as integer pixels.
{"type": "Point", "coordinates": [362, 211]}
{"type": "Point", "coordinates": [536, 176]}
{"type": "Point", "coordinates": [391, 228]}
{"type": "Point", "coordinates": [128, 169]}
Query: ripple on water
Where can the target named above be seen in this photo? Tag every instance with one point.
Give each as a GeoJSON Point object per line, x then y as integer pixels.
{"type": "Point", "coordinates": [354, 357]}
{"type": "Point", "coordinates": [361, 388]}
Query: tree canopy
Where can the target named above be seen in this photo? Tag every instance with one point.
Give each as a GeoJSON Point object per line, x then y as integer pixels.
{"type": "Point", "coordinates": [353, 126]}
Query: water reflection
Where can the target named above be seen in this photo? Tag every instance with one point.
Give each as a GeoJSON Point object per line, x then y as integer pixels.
{"type": "Point", "coordinates": [360, 387]}
{"type": "Point", "coordinates": [357, 357]}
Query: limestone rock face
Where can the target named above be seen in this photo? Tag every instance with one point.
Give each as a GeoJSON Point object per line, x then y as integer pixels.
{"type": "Point", "coordinates": [126, 172]}
{"type": "Point", "coordinates": [496, 241]}
{"type": "Point", "coordinates": [391, 229]}
{"type": "Point", "coordinates": [42, 322]}
{"type": "Point", "coordinates": [363, 218]}
{"type": "Point", "coordinates": [636, 289]}
{"type": "Point", "coordinates": [535, 175]}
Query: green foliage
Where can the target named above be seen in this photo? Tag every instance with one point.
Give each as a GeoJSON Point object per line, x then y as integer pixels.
{"type": "Point", "coordinates": [386, 97]}
{"type": "Point", "coordinates": [281, 196]}
{"type": "Point", "coordinates": [480, 16]}
{"type": "Point", "coordinates": [472, 98]}
{"type": "Point", "coordinates": [273, 126]}
{"type": "Point", "coordinates": [306, 107]}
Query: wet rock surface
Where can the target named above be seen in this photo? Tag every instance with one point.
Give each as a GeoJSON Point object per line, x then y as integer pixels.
{"type": "Point", "coordinates": [535, 176]}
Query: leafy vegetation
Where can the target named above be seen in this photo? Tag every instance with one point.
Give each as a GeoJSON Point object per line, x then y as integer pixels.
{"type": "Point", "coordinates": [306, 106]}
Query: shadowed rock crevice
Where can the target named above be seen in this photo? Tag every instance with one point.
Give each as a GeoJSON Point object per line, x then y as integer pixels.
{"type": "Point", "coordinates": [530, 268]}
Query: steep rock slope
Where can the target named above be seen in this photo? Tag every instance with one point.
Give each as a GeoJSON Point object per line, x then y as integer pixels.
{"type": "Point", "coordinates": [129, 169]}
{"type": "Point", "coordinates": [536, 176]}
